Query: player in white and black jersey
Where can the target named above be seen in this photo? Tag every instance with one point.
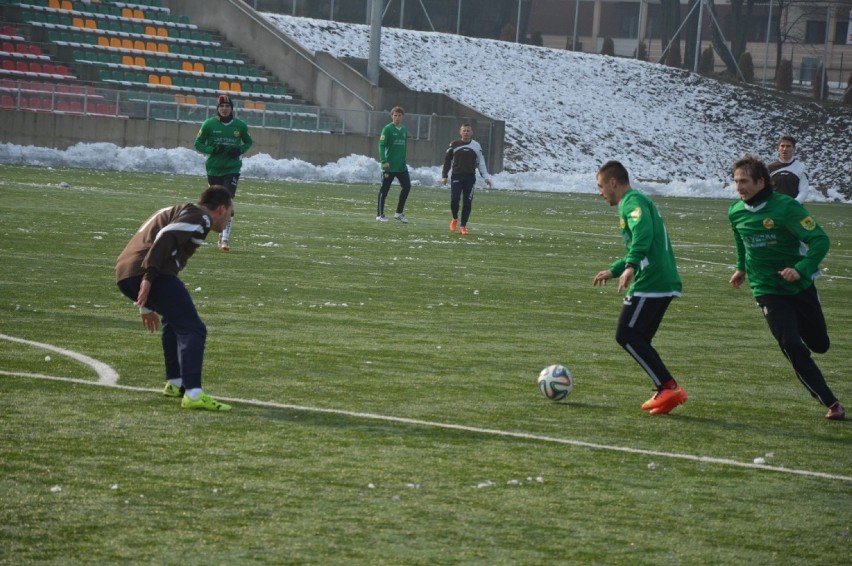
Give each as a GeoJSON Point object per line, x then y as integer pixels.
{"type": "Point", "coordinates": [788, 174]}
{"type": "Point", "coordinates": [463, 157]}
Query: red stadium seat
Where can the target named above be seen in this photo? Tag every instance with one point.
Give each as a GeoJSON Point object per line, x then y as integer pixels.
{"type": "Point", "coordinates": [8, 65]}
{"type": "Point", "coordinates": [61, 70]}
{"type": "Point", "coordinates": [8, 47]}
{"type": "Point", "coordinates": [36, 67]}
{"type": "Point", "coordinates": [7, 102]}
{"type": "Point", "coordinates": [48, 68]}
{"type": "Point", "coordinates": [21, 66]}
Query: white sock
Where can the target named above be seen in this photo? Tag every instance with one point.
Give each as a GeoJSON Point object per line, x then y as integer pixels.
{"type": "Point", "coordinates": [193, 393]}
{"type": "Point", "coordinates": [176, 382]}
{"type": "Point", "coordinates": [226, 233]}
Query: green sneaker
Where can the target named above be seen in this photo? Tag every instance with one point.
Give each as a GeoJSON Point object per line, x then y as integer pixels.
{"type": "Point", "coordinates": [205, 402]}
{"type": "Point", "coordinates": [172, 390]}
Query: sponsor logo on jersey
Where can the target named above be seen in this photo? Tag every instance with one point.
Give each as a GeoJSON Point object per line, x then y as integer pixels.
{"type": "Point", "coordinates": [636, 214]}
{"type": "Point", "coordinates": [768, 223]}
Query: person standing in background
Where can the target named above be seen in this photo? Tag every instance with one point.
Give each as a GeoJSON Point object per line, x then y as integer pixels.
{"type": "Point", "coordinates": [224, 139]}
{"type": "Point", "coordinates": [463, 158]}
{"type": "Point", "coordinates": [393, 143]}
{"type": "Point", "coordinates": [787, 173]}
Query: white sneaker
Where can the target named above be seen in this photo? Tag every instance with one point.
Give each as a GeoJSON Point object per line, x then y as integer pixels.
{"type": "Point", "coordinates": [381, 218]}
{"type": "Point", "coordinates": [401, 217]}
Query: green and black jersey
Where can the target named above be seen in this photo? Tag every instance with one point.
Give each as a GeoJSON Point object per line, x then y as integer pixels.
{"type": "Point", "coordinates": [215, 133]}
{"type": "Point", "coordinates": [392, 148]}
{"type": "Point", "coordinates": [773, 235]}
{"type": "Point", "coordinates": [648, 248]}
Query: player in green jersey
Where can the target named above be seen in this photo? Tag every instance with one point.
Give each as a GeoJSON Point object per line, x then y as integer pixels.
{"type": "Point", "coordinates": [779, 249]}
{"type": "Point", "coordinates": [224, 139]}
{"type": "Point", "coordinates": [392, 152]}
{"type": "Point", "coordinates": [649, 276]}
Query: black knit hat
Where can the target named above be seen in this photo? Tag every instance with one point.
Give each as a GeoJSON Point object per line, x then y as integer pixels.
{"type": "Point", "coordinates": [224, 99]}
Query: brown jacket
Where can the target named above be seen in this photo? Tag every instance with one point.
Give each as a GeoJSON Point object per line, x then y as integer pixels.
{"type": "Point", "coordinates": [164, 243]}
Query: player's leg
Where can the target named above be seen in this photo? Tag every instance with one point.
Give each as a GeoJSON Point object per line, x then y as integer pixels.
{"type": "Point", "coordinates": [405, 184]}
{"type": "Point", "coordinates": [230, 183]}
{"type": "Point", "coordinates": [638, 323]}
{"type": "Point", "coordinates": [812, 326]}
{"type": "Point", "coordinates": [467, 199]}
{"type": "Point", "coordinates": [455, 199]}
{"type": "Point", "coordinates": [384, 189]}
{"type": "Point", "coordinates": [780, 314]}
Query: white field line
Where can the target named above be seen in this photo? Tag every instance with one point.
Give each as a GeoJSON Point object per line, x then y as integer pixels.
{"type": "Point", "coordinates": [465, 428]}
{"type": "Point", "coordinates": [106, 375]}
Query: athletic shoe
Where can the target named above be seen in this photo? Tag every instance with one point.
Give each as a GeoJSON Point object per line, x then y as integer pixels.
{"type": "Point", "coordinates": [224, 246]}
{"type": "Point", "coordinates": [454, 224]}
{"type": "Point", "coordinates": [401, 217]}
{"type": "Point", "coordinates": [836, 412]}
{"type": "Point", "coordinates": [463, 231]}
{"type": "Point", "coordinates": [172, 390]}
{"type": "Point", "coordinates": [381, 218]}
{"type": "Point", "coordinates": [665, 400]}
{"type": "Point", "coordinates": [205, 402]}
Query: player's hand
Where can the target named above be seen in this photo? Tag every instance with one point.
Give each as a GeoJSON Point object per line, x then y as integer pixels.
{"type": "Point", "coordinates": [789, 275]}
{"type": "Point", "coordinates": [443, 180]}
{"type": "Point", "coordinates": [488, 183]}
{"type": "Point", "coordinates": [385, 165]}
{"type": "Point", "coordinates": [144, 290]}
{"type": "Point", "coordinates": [737, 279]}
{"type": "Point", "coordinates": [234, 152]}
{"type": "Point", "coordinates": [625, 279]}
{"type": "Point", "coordinates": [602, 277]}
{"type": "Point", "coordinates": [151, 321]}
{"type": "Point", "coordinates": [217, 149]}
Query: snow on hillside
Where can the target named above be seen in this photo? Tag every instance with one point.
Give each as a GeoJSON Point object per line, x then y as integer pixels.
{"type": "Point", "coordinates": [566, 113]}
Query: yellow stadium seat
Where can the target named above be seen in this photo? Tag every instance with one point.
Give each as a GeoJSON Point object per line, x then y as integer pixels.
{"type": "Point", "coordinates": [260, 105]}
{"type": "Point", "coordinates": [115, 43]}
{"type": "Point", "coordinates": [139, 45]}
{"type": "Point", "coordinates": [91, 24]}
{"type": "Point", "coordinates": [54, 5]}
{"type": "Point", "coordinates": [138, 15]}
{"type": "Point", "coordinates": [126, 60]}
{"type": "Point", "coordinates": [127, 13]}
{"type": "Point", "coordinates": [150, 30]}
{"type": "Point", "coordinates": [163, 47]}
{"type": "Point", "coordinates": [66, 5]}
{"type": "Point", "coordinates": [139, 61]}
{"type": "Point", "coordinates": [127, 44]}
{"type": "Point", "coordinates": [166, 80]}
{"type": "Point", "coordinates": [224, 86]}
{"type": "Point", "coordinates": [163, 32]}
{"type": "Point", "coordinates": [103, 42]}
{"type": "Point", "coordinates": [186, 66]}
{"type": "Point", "coordinates": [154, 80]}
{"type": "Point", "coordinates": [150, 46]}
{"type": "Point", "coordinates": [235, 87]}
{"type": "Point", "coordinates": [78, 22]}
{"type": "Point", "coordinates": [190, 99]}
{"type": "Point", "coordinates": [198, 67]}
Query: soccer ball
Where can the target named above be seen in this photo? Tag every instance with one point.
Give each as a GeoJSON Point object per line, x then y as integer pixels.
{"type": "Point", "coordinates": [555, 382]}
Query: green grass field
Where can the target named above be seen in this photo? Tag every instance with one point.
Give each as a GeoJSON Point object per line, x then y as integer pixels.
{"type": "Point", "coordinates": [383, 383]}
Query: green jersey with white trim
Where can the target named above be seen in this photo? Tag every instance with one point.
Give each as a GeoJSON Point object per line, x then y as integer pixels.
{"type": "Point", "coordinates": [392, 148]}
{"type": "Point", "coordinates": [648, 248]}
{"type": "Point", "coordinates": [775, 234]}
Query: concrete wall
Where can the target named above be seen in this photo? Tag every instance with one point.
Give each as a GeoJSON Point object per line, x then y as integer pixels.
{"type": "Point", "coordinates": [45, 129]}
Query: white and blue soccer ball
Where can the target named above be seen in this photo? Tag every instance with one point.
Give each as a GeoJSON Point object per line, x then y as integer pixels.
{"type": "Point", "coordinates": [555, 382]}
